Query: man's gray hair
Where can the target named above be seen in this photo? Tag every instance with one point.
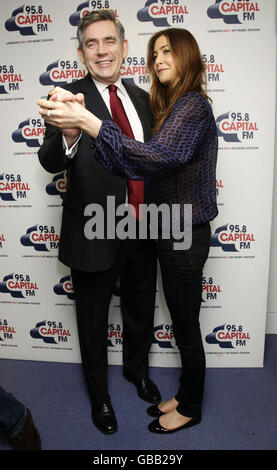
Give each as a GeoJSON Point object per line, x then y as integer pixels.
{"type": "Point", "coordinates": [99, 15]}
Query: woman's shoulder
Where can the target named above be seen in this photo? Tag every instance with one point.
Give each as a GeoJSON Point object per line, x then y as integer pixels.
{"type": "Point", "coordinates": [193, 97]}
{"type": "Point", "coordinates": [193, 101]}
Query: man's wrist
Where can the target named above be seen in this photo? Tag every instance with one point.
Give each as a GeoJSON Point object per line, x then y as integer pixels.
{"type": "Point", "coordinates": [71, 148]}
{"type": "Point", "coordinates": [70, 141]}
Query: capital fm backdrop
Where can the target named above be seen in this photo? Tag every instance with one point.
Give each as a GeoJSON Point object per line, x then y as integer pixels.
{"type": "Point", "coordinates": [38, 52]}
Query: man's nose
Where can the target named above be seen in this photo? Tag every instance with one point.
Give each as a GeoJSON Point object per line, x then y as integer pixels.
{"type": "Point", "coordinates": [102, 49]}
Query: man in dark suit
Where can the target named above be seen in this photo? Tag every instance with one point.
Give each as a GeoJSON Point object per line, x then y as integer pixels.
{"type": "Point", "coordinates": [96, 264]}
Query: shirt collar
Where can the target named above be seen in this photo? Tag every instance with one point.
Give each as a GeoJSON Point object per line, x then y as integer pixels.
{"type": "Point", "coordinates": [103, 86]}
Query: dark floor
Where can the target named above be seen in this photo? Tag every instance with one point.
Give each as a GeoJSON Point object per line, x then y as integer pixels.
{"type": "Point", "coordinates": [239, 411]}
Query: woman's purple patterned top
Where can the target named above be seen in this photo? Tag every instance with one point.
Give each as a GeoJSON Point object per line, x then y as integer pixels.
{"type": "Point", "coordinates": [178, 164]}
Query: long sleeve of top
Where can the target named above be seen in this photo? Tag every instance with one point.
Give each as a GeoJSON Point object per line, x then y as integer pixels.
{"type": "Point", "coordinates": [178, 163]}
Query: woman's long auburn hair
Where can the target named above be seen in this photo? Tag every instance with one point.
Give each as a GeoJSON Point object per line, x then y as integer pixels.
{"type": "Point", "coordinates": [190, 75]}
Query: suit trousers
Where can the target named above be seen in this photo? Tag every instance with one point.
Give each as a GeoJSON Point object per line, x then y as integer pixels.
{"type": "Point", "coordinates": [181, 273]}
{"type": "Point", "coordinates": [136, 266]}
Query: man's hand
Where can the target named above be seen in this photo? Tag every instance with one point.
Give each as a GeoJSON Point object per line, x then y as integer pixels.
{"type": "Point", "coordinates": [59, 94]}
{"type": "Point", "coordinates": [68, 114]}
{"type": "Point", "coordinates": [63, 96]}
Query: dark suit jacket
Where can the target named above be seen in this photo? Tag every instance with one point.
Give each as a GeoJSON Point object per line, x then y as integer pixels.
{"type": "Point", "coordinates": [87, 181]}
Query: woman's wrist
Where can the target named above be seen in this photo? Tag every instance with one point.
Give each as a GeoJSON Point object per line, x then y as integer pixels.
{"type": "Point", "coordinates": [90, 123]}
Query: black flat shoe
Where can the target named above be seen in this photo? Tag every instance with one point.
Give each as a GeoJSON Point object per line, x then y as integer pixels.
{"type": "Point", "coordinates": [154, 411]}
{"type": "Point", "coordinates": [158, 429]}
{"type": "Point", "coordinates": [103, 417]}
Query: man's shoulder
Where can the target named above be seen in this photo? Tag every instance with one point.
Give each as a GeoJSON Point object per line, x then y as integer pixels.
{"type": "Point", "coordinates": [78, 85]}
{"type": "Point", "coordinates": [132, 88]}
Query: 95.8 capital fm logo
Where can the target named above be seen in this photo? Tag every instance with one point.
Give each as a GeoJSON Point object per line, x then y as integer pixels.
{"type": "Point", "coordinates": [234, 12]}
{"type": "Point", "coordinates": [20, 286]}
{"type": "Point", "coordinates": [53, 333]}
{"type": "Point", "coordinates": [13, 188]}
{"type": "Point", "coordinates": [2, 243]}
{"type": "Point", "coordinates": [211, 292]}
{"type": "Point", "coordinates": [163, 336]}
{"type": "Point", "coordinates": [7, 333]}
{"type": "Point", "coordinates": [61, 72]}
{"type": "Point", "coordinates": [237, 128]}
{"type": "Point", "coordinates": [115, 335]}
{"type": "Point", "coordinates": [133, 70]}
{"type": "Point", "coordinates": [29, 20]}
{"type": "Point", "coordinates": [30, 132]}
{"type": "Point", "coordinates": [229, 337]}
{"type": "Point", "coordinates": [164, 12]}
{"type": "Point", "coordinates": [42, 238]}
{"type": "Point", "coordinates": [57, 187]}
{"type": "Point", "coordinates": [65, 288]}
{"type": "Point", "coordinates": [214, 72]}
{"type": "Point", "coordinates": [11, 81]}
{"type": "Point", "coordinates": [233, 239]}
{"type": "Point", "coordinates": [86, 7]}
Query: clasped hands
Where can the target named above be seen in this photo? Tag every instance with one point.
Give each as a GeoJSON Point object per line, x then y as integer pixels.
{"type": "Point", "coordinates": [67, 112]}
{"type": "Point", "coordinates": [63, 110]}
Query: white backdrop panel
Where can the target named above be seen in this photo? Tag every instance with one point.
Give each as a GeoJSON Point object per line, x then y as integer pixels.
{"type": "Point", "coordinates": [38, 52]}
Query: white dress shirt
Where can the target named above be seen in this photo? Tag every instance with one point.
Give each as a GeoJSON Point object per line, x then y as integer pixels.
{"type": "Point", "coordinates": [129, 109]}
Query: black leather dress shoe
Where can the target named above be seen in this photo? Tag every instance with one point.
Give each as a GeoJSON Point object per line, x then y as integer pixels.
{"type": "Point", "coordinates": [103, 417]}
{"type": "Point", "coordinates": [147, 390]}
{"type": "Point", "coordinates": [154, 411]}
{"type": "Point", "coordinates": [158, 429]}
{"type": "Point", "coordinates": [28, 437]}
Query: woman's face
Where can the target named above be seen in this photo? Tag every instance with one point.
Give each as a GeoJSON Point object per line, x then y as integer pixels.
{"type": "Point", "coordinates": [164, 64]}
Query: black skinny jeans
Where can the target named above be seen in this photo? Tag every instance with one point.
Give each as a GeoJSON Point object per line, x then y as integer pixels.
{"type": "Point", "coordinates": [181, 272]}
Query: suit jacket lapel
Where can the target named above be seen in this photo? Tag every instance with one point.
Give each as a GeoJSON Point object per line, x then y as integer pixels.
{"type": "Point", "coordinates": [93, 99]}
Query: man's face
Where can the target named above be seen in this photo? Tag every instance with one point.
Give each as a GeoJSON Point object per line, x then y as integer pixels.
{"type": "Point", "coordinates": [103, 53]}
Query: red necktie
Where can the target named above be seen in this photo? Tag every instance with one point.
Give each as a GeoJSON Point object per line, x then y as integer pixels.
{"type": "Point", "coordinates": [135, 188]}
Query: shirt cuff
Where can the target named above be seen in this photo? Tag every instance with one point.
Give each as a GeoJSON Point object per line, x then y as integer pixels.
{"type": "Point", "coordinates": [71, 152]}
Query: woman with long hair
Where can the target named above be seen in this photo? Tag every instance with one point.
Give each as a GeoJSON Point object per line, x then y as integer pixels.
{"type": "Point", "coordinates": [178, 166]}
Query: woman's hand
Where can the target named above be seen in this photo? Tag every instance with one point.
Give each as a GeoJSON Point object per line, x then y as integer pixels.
{"type": "Point", "coordinates": [60, 94]}
{"type": "Point", "coordinates": [62, 114]}
{"type": "Point", "coordinates": [67, 111]}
